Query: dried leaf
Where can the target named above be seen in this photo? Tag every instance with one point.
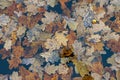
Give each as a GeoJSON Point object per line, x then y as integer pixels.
{"type": "Point", "coordinates": [97, 46]}
{"type": "Point", "coordinates": [68, 75]}
{"type": "Point", "coordinates": [66, 52]}
{"type": "Point", "coordinates": [14, 36]}
{"type": "Point", "coordinates": [80, 67]}
{"type": "Point", "coordinates": [15, 76]}
{"type": "Point", "coordinates": [49, 17]}
{"type": "Point", "coordinates": [31, 8]}
{"type": "Point", "coordinates": [62, 2]}
{"type": "Point", "coordinates": [18, 51]}
{"type": "Point", "coordinates": [61, 38]}
{"type": "Point", "coordinates": [51, 56]}
{"type": "Point", "coordinates": [51, 69]}
{"type": "Point", "coordinates": [63, 69]}
{"type": "Point", "coordinates": [87, 77]}
{"type": "Point", "coordinates": [14, 62]}
{"type": "Point", "coordinates": [55, 77]}
{"type": "Point", "coordinates": [96, 76]}
{"type": "Point", "coordinates": [30, 21]}
{"type": "Point", "coordinates": [10, 10]}
{"type": "Point", "coordinates": [71, 37]}
{"type": "Point", "coordinates": [27, 75]}
{"type": "Point", "coordinates": [55, 26]}
{"type": "Point", "coordinates": [30, 51]}
{"type": "Point", "coordinates": [94, 38]}
{"type": "Point", "coordinates": [97, 67]}
{"type": "Point", "coordinates": [5, 53]}
{"type": "Point", "coordinates": [8, 44]}
{"type": "Point", "coordinates": [114, 45]}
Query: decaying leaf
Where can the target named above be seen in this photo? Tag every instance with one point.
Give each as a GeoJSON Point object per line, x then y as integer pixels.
{"type": "Point", "coordinates": [30, 51]}
{"type": "Point", "coordinates": [97, 67]}
{"type": "Point", "coordinates": [27, 75]}
{"type": "Point", "coordinates": [5, 53]}
{"type": "Point", "coordinates": [71, 37]}
{"type": "Point", "coordinates": [62, 2]}
{"type": "Point", "coordinates": [66, 52]}
{"type": "Point", "coordinates": [14, 62]}
{"type": "Point", "coordinates": [97, 46]}
{"type": "Point", "coordinates": [18, 51]}
{"type": "Point", "coordinates": [55, 26]}
{"type": "Point", "coordinates": [114, 45]}
{"type": "Point", "coordinates": [55, 77]}
{"type": "Point", "coordinates": [81, 68]}
{"type": "Point", "coordinates": [30, 21]}
{"type": "Point", "coordinates": [87, 77]}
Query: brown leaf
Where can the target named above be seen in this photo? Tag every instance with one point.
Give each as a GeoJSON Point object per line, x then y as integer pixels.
{"type": "Point", "coordinates": [55, 77]}
{"type": "Point", "coordinates": [10, 10]}
{"type": "Point", "coordinates": [55, 26]}
{"type": "Point", "coordinates": [97, 46]}
{"type": "Point", "coordinates": [5, 53]}
{"type": "Point", "coordinates": [97, 67]}
{"type": "Point", "coordinates": [62, 2]}
{"type": "Point", "coordinates": [27, 75]}
{"type": "Point", "coordinates": [30, 21]}
{"type": "Point", "coordinates": [114, 45]}
{"type": "Point", "coordinates": [41, 9]}
{"type": "Point", "coordinates": [47, 77]}
{"type": "Point", "coordinates": [66, 52]}
{"type": "Point", "coordinates": [14, 7]}
{"type": "Point", "coordinates": [71, 37]}
{"type": "Point", "coordinates": [87, 77]}
{"type": "Point", "coordinates": [30, 51]}
{"type": "Point", "coordinates": [14, 62]}
{"type": "Point", "coordinates": [18, 51]}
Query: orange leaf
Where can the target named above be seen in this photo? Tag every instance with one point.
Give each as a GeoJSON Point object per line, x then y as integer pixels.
{"type": "Point", "coordinates": [71, 37]}
{"type": "Point", "coordinates": [62, 2]}
{"type": "Point", "coordinates": [14, 62]}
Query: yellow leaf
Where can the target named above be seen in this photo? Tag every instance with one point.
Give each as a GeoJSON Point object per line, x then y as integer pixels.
{"type": "Point", "coordinates": [81, 67]}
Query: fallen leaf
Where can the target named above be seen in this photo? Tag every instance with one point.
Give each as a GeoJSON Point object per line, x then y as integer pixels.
{"type": "Point", "coordinates": [71, 37]}
{"type": "Point", "coordinates": [5, 53]}
{"type": "Point", "coordinates": [98, 46]}
{"type": "Point", "coordinates": [18, 51]}
{"type": "Point", "coordinates": [97, 67]}
{"type": "Point", "coordinates": [62, 2]}
{"type": "Point", "coordinates": [80, 67]}
{"type": "Point", "coordinates": [14, 62]}
{"type": "Point", "coordinates": [61, 38]}
{"type": "Point", "coordinates": [27, 75]}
